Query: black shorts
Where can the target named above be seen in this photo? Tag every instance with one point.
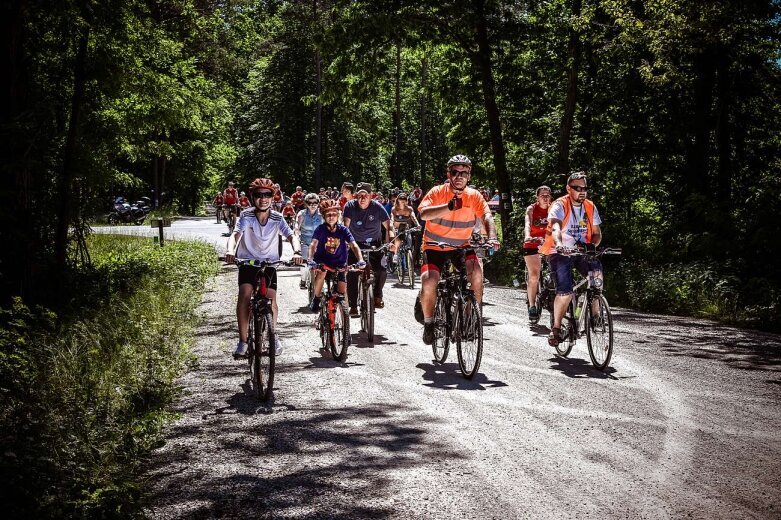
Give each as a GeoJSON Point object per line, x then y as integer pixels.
{"type": "Point", "coordinates": [435, 260]}
{"type": "Point", "coordinates": [527, 251]}
{"type": "Point", "coordinates": [249, 274]}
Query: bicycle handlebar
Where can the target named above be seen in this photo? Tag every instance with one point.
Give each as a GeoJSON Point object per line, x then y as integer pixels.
{"type": "Point", "coordinates": [581, 251]}
{"type": "Point", "coordinates": [469, 245]}
{"type": "Point", "coordinates": [259, 263]}
{"type": "Point", "coordinates": [350, 267]}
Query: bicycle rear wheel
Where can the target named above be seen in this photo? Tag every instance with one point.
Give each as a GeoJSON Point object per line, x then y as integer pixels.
{"type": "Point", "coordinates": [469, 339]}
{"type": "Point", "coordinates": [367, 310]}
{"type": "Point", "coordinates": [410, 266]}
{"type": "Point", "coordinates": [441, 345]}
{"type": "Point", "coordinates": [599, 332]}
{"type": "Point", "coordinates": [265, 357]}
{"type": "Point", "coordinates": [339, 336]}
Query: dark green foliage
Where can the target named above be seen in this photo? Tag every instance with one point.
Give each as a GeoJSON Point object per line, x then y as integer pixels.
{"type": "Point", "coordinates": [84, 393]}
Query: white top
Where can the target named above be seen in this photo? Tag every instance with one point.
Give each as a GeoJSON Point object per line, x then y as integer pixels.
{"type": "Point", "coordinates": [260, 242]}
{"type": "Point", "coordinates": [573, 231]}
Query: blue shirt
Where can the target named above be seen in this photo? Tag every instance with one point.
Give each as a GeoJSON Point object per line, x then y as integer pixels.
{"type": "Point", "coordinates": [332, 245]}
{"type": "Point", "coordinates": [366, 224]}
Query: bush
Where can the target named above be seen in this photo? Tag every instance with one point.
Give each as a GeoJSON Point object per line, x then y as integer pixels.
{"type": "Point", "coordinates": [84, 394]}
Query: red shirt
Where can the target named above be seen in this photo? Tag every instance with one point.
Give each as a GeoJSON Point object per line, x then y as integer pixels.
{"type": "Point", "coordinates": [297, 198]}
{"type": "Point", "coordinates": [244, 202]}
{"type": "Point", "coordinates": [218, 200]}
{"type": "Point", "coordinates": [342, 201]}
{"type": "Point", "coordinates": [288, 211]}
{"type": "Point", "coordinates": [538, 225]}
{"type": "Point", "coordinates": [231, 196]}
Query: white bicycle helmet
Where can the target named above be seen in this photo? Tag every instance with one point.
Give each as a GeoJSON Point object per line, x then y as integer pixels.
{"type": "Point", "coordinates": [459, 159]}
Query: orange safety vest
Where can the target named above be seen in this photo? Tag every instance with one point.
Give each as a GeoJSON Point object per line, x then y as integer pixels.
{"type": "Point", "coordinates": [547, 247]}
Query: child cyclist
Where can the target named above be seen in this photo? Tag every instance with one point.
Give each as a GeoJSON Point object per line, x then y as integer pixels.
{"type": "Point", "coordinates": [329, 247]}
{"type": "Point", "coordinates": [256, 237]}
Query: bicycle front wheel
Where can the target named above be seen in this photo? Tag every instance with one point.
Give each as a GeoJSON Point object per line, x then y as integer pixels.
{"type": "Point", "coordinates": [340, 334]}
{"type": "Point", "coordinates": [599, 332]}
{"type": "Point", "coordinates": [469, 340]}
{"type": "Point", "coordinates": [441, 345]}
{"type": "Point", "coordinates": [265, 356]}
{"type": "Point", "coordinates": [410, 265]}
{"type": "Point", "coordinates": [568, 332]}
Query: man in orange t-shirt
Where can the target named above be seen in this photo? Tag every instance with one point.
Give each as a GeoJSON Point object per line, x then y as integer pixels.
{"type": "Point", "coordinates": [451, 211]}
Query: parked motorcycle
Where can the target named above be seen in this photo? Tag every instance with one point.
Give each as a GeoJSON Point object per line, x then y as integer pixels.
{"type": "Point", "coordinates": [126, 213]}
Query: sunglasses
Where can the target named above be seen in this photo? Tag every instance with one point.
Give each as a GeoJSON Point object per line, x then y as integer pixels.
{"type": "Point", "coordinates": [579, 189]}
{"type": "Point", "coordinates": [312, 203]}
{"type": "Point", "coordinates": [262, 195]}
{"type": "Point", "coordinates": [460, 173]}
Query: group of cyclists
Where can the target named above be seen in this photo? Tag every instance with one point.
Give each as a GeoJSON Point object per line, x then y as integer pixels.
{"type": "Point", "coordinates": [331, 228]}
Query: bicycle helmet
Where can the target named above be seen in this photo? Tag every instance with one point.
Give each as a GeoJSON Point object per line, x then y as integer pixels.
{"type": "Point", "coordinates": [459, 159]}
{"type": "Point", "coordinates": [329, 205]}
{"type": "Point", "coordinates": [312, 197]}
{"type": "Point", "coordinates": [261, 183]}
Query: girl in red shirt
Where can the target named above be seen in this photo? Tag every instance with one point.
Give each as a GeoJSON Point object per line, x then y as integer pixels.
{"type": "Point", "coordinates": [535, 225]}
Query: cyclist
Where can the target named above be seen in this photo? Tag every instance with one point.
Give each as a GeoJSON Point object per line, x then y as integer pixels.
{"type": "Point", "coordinates": [289, 213]}
{"type": "Point", "coordinates": [450, 211]}
{"type": "Point", "coordinates": [255, 237]}
{"type": "Point", "coordinates": [243, 201]}
{"type": "Point", "coordinates": [366, 218]}
{"type": "Point", "coordinates": [231, 198]}
{"type": "Point", "coordinates": [217, 203]}
{"type": "Point", "coordinates": [403, 217]}
{"type": "Point", "coordinates": [297, 198]}
{"type": "Point", "coordinates": [307, 221]}
{"type": "Point", "coordinates": [535, 224]}
{"type": "Point", "coordinates": [347, 194]}
{"type": "Point", "coordinates": [329, 246]}
{"type": "Point", "coordinates": [573, 220]}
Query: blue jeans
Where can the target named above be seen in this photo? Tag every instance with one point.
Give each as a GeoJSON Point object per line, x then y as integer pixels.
{"type": "Point", "coordinates": [561, 269]}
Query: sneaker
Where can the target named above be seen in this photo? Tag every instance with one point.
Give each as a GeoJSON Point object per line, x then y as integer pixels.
{"type": "Point", "coordinates": [354, 312]}
{"type": "Point", "coordinates": [277, 345]}
{"type": "Point", "coordinates": [554, 337]}
{"type": "Point", "coordinates": [241, 349]}
{"type": "Point", "coordinates": [428, 333]}
{"type": "Point", "coordinates": [534, 315]}
{"type": "Point", "coordinates": [302, 284]}
{"type": "Point", "coordinates": [314, 305]}
{"type": "Point", "coordinates": [597, 322]}
{"type": "Point", "coordinates": [378, 303]}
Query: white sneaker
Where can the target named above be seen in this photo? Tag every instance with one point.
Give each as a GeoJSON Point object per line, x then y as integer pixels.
{"type": "Point", "coordinates": [241, 349]}
{"type": "Point", "coordinates": [395, 259]}
{"type": "Point", "coordinates": [278, 344]}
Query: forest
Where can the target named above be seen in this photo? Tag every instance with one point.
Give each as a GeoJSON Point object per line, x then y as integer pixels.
{"type": "Point", "coordinates": [672, 108]}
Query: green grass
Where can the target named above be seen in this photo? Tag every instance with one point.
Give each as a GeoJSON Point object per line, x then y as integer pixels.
{"type": "Point", "coordinates": [84, 394]}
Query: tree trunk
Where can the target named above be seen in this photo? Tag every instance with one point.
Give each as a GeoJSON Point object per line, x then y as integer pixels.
{"type": "Point", "coordinates": [69, 157]}
{"type": "Point", "coordinates": [724, 130]}
{"type": "Point", "coordinates": [155, 183]}
{"type": "Point", "coordinates": [570, 100]}
{"type": "Point", "coordinates": [163, 163]}
{"type": "Point", "coordinates": [698, 153]}
{"type": "Point", "coordinates": [318, 111]}
{"type": "Point", "coordinates": [396, 159]}
{"type": "Point", "coordinates": [482, 59]}
{"type": "Point", "coordinates": [423, 85]}
{"type": "Point", "coordinates": [15, 177]}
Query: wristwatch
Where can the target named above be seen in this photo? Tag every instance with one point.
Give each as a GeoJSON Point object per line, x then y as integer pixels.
{"type": "Point", "coordinates": [296, 252]}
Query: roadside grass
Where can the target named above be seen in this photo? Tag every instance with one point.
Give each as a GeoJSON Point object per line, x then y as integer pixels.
{"type": "Point", "coordinates": [83, 394]}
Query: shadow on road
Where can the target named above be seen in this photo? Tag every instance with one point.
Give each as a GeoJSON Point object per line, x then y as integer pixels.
{"type": "Point", "coordinates": [704, 339]}
{"type": "Point", "coordinates": [359, 339]}
{"type": "Point", "coordinates": [352, 478]}
{"type": "Point", "coordinates": [580, 368]}
{"type": "Point", "coordinates": [448, 377]}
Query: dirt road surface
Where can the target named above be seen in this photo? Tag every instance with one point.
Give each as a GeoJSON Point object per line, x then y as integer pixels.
{"type": "Point", "coordinates": [684, 423]}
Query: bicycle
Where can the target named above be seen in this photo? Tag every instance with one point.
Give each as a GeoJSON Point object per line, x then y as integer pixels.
{"type": "Point", "coordinates": [230, 219]}
{"type": "Point", "coordinates": [218, 211]}
{"type": "Point", "coordinates": [545, 289]}
{"type": "Point", "coordinates": [261, 348]}
{"type": "Point", "coordinates": [457, 314]}
{"type": "Point", "coordinates": [405, 267]}
{"type": "Point", "coordinates": [588, 301]}
{"type": "Point", "coordinates": [333, 321]}
{"type": "Point", "coordinates": [366, 291]}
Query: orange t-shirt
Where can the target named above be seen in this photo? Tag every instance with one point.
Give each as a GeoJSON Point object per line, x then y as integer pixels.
{"type": "Point", "coordinates": [456, 227]}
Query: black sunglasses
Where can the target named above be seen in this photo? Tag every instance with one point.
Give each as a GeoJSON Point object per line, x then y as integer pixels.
{"type": "Point", "coordinates": [579, 189]}
{"type": "Point", "coordinates": [262, 194]}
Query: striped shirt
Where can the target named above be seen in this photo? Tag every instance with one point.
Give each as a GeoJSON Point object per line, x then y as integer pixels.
{"type": "Point", "coordinates": [456, 227]}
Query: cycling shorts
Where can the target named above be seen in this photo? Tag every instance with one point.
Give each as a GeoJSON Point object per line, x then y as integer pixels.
{"type": "Point", "coordinates": [435, 260]}
{"type": "Point", "coordinates": [249, 274]}
{"type": "Point", "coordinates": [561, 269]}
{"type": "Point", "coordinates": [528, 251]}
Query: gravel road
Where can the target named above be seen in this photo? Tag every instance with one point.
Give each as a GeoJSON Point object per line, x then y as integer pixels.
{"type": "Point", "coordinates": [685, 422]}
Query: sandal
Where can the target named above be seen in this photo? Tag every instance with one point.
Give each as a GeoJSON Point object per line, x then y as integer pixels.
{"type": "Point", "coordinates": [554, 336]}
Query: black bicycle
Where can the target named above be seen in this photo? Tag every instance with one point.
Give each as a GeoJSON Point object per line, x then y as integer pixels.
{"type": "Point", "coordinates": [405, 267]}
{"type": "Point", "coordinates": [261, 350]}
{"type": "Point", "coordinates": [546, 292]}
{"type": "Point", "coordinates": [457, 314]}
{"type": "Point", "coordinates": [588, 314]}
{"type": "Point", "coordinates": [366, 291]}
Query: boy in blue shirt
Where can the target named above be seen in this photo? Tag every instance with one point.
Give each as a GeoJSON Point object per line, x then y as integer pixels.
{"type": "Point", "coordinates": [329, 247]}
